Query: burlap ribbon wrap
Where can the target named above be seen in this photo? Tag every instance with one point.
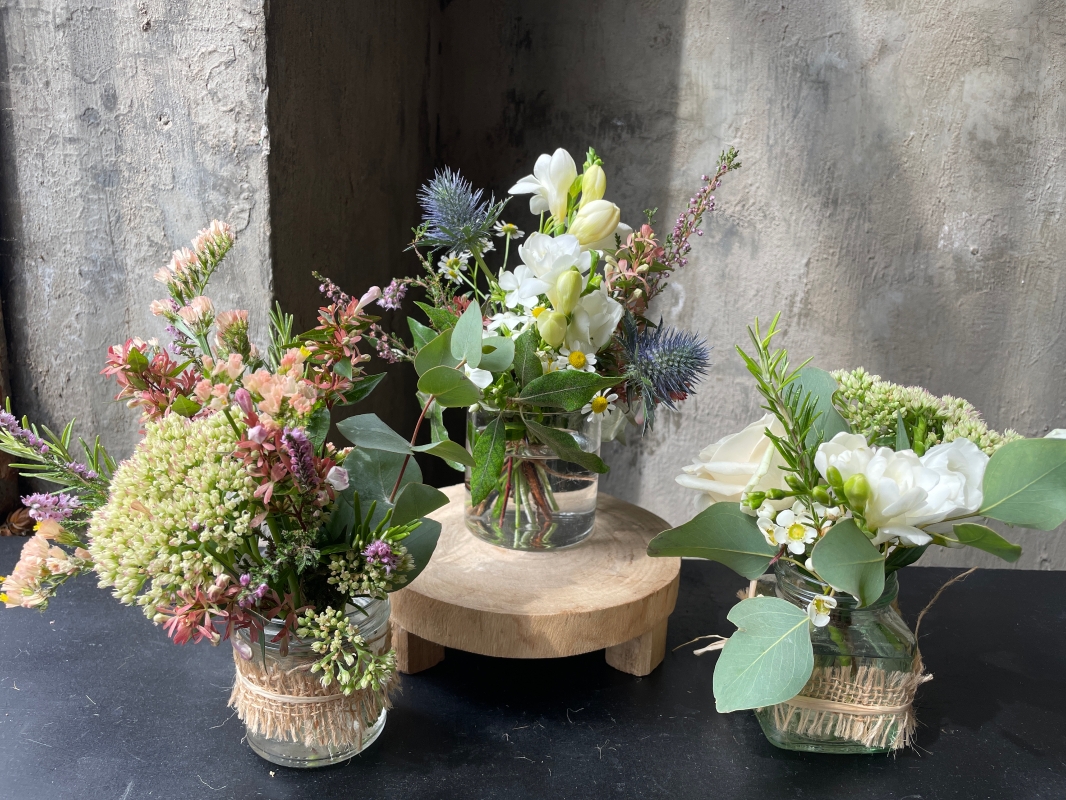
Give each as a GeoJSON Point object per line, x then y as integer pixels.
{"type": "Point", "coordinates": [293, 705]}
{"type": "Point", "coordinates": [867, 705]}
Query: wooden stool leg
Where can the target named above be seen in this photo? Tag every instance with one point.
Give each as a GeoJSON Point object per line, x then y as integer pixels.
{"type": "Point", "coordinates": [641, 655]}
{"type": "Point", "coordinates": [414, 654]}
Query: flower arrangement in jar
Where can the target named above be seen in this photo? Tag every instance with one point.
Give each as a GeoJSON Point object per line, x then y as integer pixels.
{"type": "Point", "coordinates": [553, 353]}
{"type": "Point", "coordinates": [847, 480]}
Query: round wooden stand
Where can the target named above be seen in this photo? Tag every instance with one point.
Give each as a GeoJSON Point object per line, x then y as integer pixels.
{"type": "Point", "coordinates": [605, 593]}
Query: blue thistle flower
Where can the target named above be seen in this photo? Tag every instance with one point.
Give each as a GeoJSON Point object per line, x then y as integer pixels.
{"type": "Point", "coordinates": [662, 365]}
{"type": "Point", "coordinates": [455, 216]}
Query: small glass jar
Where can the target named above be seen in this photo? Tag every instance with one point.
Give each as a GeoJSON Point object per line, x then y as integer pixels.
{"type": "Point", "coordinates": [864, 655]}
{"type": "Point", "coordinates": [539, 501]}
{"type": "Point", "coordinates": [313, 732]}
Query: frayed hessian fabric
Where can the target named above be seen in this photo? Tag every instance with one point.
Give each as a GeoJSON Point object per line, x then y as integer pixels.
{"type": "Point", "coordinates": [868, 705]}
{"type": "Point", "coordinates": [293, 705]}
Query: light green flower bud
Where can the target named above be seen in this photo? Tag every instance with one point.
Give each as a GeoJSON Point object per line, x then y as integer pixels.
{"type": "Point", "coordinates": [595, 221]}
{"type": "Point", "coordinates": [794, 482]}
{"type": "Point", "coordinates": [552, 327]}
{"type": "Point", "coordinates": [820, 494]}
{"type": "Point", "coordinates": [857, 490]}
{"type": "Point", "coordinates": [567, 292]}
{"type": "Point", "coordinates": [835, 479]}
{"type": "Point", "coordinates": [593, 184]}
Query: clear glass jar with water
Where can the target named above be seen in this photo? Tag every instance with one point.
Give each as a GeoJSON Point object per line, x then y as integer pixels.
{"type": "Point", "coordinates": [371, 617]}
{"type": "Point", "coordinates": [539, 501]}
{"type": "Point", "coordinates": [874, 637]}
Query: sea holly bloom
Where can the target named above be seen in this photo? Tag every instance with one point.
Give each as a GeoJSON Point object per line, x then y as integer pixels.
{"type": "Point", "coordinates": [508, 230]}
{"type": "Point", "coordinates": [820, 609]}
{"type": "Point", "coordinates": [455, 216]}
{"type": "Point", "coordinates": [452, 265]}
{"type": "Point", "coordinates": [601, 405]}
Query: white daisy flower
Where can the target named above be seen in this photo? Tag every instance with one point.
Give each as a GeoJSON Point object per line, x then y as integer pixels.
{"type": "Point", "coordinates": [487, 246]}
{"type": "Point", "coordinates": [452, 265]}
{"type": "Point", "coordinates": [508, 229]}
{"type": "Point", "coordinates": [795, 528]}
{"type": "Point", "coordinates": [602, 404]}
{"type": "Point", "coordinates": [577, 358]}
{"type": "Point", "coordinates": [820, 608]}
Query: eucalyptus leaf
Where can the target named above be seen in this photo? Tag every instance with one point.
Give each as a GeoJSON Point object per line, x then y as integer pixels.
{"type": "Point", "coordinates": [184, 406]}
{"type": "Point", "coordinates": [848, 561]}
{"type": "Point", "coordinates": [440, 380]}
{"type": "Point", "coordinates": [318, 427]}
{"type": "Point", "coordinates": [489, 451]}
{"type": "Point", "coordinates": [342, 517]}
{"type": "Point", "coordinates": [566, 447]}
{"type": "Point", "coordinates": [1025, 484]}
{"type": "Point", "coordinates": [821, 386]}
{"type": "Point", "coordinates": [367, 431]}
{"type": "Point", "coordinates": [437, 353]}
{"type": "Point", "coordinates": [984, 538]}
{"type": "Point", "coordinates": [373, 474]}
{"type": "Point", "coordinates": [440, 317]}
{"type": "Point", "coordinates": [448, 450]}
{"type": "Point", "coordinates": [421, 334]}
{"type": "Point", "coordinates": [721, 532]}
{"type": "Point", "coordinates": [437, 431]}
{"type": "Point", "coordinates": [420, 545]}
{"type": "Point", "coordinates": [416, 500]}
{"type": "Point", "coordinates": [464, 394]}
{"type": "Point", "coordinates": [497, 353]}
{"type": "Point", "coordinates": [467, 335]}
{"type": "Point", "coordinates": [567, 389]}
{"type": "Point", "coordinates": [527, 365]}
{"type": "Point", "coordinates": [768, 660]}
{"type": "Point", "coordinates": [903, 557]}
{"type": "Point", "coordinates": [362, 388]}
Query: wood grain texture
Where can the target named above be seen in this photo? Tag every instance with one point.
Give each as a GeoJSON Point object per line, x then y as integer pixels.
{"type": "Point", "coordinates": [483, 599]}
{"type": "Point", "coordinates": [642, 655]}
{"type": "Point", "coordinates": [414, 654]}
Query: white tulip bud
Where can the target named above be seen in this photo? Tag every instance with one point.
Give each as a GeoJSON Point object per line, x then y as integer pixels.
{"type": "Point", "coordinates": [595, 221]}
{"type": "Point", "coordinates": [593, 184]}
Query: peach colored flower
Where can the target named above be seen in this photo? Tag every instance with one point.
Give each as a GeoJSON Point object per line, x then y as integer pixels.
{"type": "Point", "coordinates": [257, 382]}
{"type": "Point", "coordinates": [227, 319]}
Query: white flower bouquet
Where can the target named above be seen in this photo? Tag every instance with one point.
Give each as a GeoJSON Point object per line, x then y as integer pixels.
{"type": "Point", "coordinates": [846, 480]}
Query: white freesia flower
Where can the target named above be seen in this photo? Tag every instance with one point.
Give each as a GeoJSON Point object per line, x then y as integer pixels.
{"type": "Point", "coordinates": [515, 323]}
{"type": "Point", "coordinates": [908, 493]}
{"type": "Point", "coordinates": [594, 320]}
{"type": "Point", "coordinates": [549, 184]}
{"type": "Point", "coordinates": [820, 608]}
{"type": "Point", "coordinates": [738, 464]}
{"type": "Point", "coordinates": [609, 243]}
{"type": "Point", "coordinates": [481, 378]}
{"type": "Point", "coordinates": [550, 256]}
{"type": "Point", "coordinates": [595, 222]}
{"type": "Point", "coordinates": [522, 287]}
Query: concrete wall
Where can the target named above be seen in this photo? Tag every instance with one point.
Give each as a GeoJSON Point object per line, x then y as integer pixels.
{"type": "Point", "coordinates": [126, 127]}
{"type": "Point", "coordinates": [901, 198]}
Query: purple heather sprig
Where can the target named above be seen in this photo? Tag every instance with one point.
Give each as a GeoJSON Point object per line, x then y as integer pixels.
{"type": "Point", "coordinates": [688, 221]}
{"type": "Point", "coordinates": [58, 507]}
{"type": "Point", "coordinates": [331, 290]}
{"type": "Point", "coordinates": [29, 438]}
{"type": "Point", "coordinates": [380, 552]}
{"type": "Point", "coordinates": [393, 295]}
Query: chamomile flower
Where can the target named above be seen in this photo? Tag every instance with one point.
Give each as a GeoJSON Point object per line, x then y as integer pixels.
{"type": "Point", "coordinates": [508, 230]}
{"type": "Point", "coordinates": [452, 265]}
{"type": "Point", "coordinates": [487, 246]}
{"type": "Point", "coordinates": [820, 608]}
{"type": "Point", "coordinates": [601, 405]}
{"type": "Point", "coordinates": [576, 359]}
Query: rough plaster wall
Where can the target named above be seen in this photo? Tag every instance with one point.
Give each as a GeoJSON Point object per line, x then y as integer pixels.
{"type": "Point", "coordinates": [901, 198]}
{"type": "Point", "coordinates": [351, 102]}
{"type": "Point", "coordinates": [126, 127]}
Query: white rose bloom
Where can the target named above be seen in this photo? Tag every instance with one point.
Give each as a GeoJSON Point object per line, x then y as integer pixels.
{"type": "Point", "coordinates": [739, 464]}
{"type": "Point", "coordinates": [549, 184]}
{"type": "Point", "coordinates": [594, 321]}
{"type": "Point", "coordinates": [908, 493]}
{"type": "Point", "coordinates": [548, 257]}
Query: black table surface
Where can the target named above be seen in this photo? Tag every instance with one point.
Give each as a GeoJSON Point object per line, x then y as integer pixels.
{"type": "Point", "coordinates": [96, 702]}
